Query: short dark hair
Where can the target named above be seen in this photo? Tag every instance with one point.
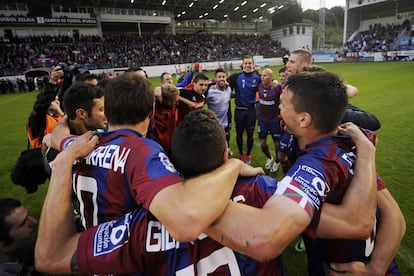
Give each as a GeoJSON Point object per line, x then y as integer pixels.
{"type": "Point", "coordinates": [248, 57]}
{"type": "Point", "coordinates": [321, 94]}
{"type": "Point", "coordinates": [129, 99]}
{"type": "Point", "coordinates": [7, 206]}
{"type": "Point", "coordinates": [135, 69]}
{"type": "Point", "coordinates": [86, 76]}
{"type": "Point", "coordinates": [200, 76]}
{"type": "Point", "coordinates": [219, 70]}
{"type": "Point", "coordinates": [80, 95]}
{"type": "Point", "coordinates": [163, 74]}
{"type": "Point", "coordinates": [198, 143]}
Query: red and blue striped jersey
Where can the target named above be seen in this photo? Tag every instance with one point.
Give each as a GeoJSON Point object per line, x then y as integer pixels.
{"type": "Point", "coordinates": [322, 173]}
{"type": "Point", "coordinates": [138, 241]}
{"type": "Point", "coordinates": [124, 171]}
{"type": "Point", "coordinates": [268, 107]}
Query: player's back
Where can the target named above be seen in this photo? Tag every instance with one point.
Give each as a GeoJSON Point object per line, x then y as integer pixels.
{"type": "Point", "coordinates": [138, 241]}
{"type": "Point", "coordinates": [123, 172]}
{"type": "Point", "coordinates": [210, 257]}
{"type": "Point", "coordinates": [336, 157]}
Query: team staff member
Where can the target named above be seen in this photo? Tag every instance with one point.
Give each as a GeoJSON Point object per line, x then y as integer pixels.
{"type": "Point", "coordinates": [165, 118]}
{"type": "Point", "coordinates": [46, 111]}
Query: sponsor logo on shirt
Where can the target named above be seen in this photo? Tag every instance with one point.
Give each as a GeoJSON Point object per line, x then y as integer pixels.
{"type": "Point", "coordinates": [263, 102]}
{"type": "Point", "coordinates": [306, 186]}
{"type": "Point", "coordinates": [310, 181]}
{"type": "Point", "coordinates": [111, 235]}
{"type": "Point", "coordinates": [166, 162]}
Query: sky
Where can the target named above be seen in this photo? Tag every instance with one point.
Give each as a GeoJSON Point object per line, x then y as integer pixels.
{"type": "Point", "coordinates": [315, 4]}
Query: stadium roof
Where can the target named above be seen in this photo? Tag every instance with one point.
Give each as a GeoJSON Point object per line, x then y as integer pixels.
{"type": "Point", "coordinates": [235, 10]}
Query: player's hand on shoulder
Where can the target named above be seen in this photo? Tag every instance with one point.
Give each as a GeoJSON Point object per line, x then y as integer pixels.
{"type": "Point", "coordinates": [355, 132]}
{"type": "Point", "coordinates": [247, 170]}
{"type": "Point", "coordinates": [82, 145]}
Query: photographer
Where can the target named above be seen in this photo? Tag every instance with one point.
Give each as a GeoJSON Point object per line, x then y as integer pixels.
{"type": "Point", "coordinates": [73, 73]}
{"type": "Point", "coordinates": [46, 110]}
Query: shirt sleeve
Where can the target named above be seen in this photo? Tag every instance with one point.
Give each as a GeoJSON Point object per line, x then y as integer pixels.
{"type": "Point", "coordinates": [149, 172]}
{"type": "Point", "coordinates": [114, 247]}
{"type": "Point", "coordinates": [305, 184]}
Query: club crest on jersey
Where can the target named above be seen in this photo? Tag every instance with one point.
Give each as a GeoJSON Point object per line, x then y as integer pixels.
{"type": "Point", "coordinates": [166, 162]}
{"type": "Point", "coordinates": [111, 235]}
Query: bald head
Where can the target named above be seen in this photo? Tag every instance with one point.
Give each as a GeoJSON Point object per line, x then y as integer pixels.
{"type": "Point", "coordinates": [267, 77]}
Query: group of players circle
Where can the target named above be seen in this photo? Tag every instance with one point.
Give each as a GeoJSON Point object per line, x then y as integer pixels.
{"type": "Point", "coordinates": [256, 96]}
{"type": "Point", "coordinates": [245, 108]}
{"type": "Point", "coordinates": [125, 168]}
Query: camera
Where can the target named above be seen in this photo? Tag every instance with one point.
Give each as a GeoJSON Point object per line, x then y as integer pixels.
{"type": "Point", "coordinates": [70, 71]}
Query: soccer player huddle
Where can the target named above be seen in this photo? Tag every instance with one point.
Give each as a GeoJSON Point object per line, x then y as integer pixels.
{"type": "Point", "coordinates": [188, 208]}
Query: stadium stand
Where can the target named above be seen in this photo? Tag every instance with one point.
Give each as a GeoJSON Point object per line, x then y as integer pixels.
{"type": "Point", "coordinates": [381, 38]}
{"type": "Point", "coordinates": [114, 51]}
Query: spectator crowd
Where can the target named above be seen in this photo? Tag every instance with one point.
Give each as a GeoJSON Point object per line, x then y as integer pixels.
{"type": "Point", "coordinates": [19, 54]}
{"type": "Point", "coordinates": [379, 38]}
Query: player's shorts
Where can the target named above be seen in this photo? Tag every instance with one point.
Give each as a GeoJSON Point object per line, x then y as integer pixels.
{"type": "Point", "coordinates": [245, 118]}
{"type": "Point", "coordinates": [269, 127]}
{"type": "Point", "coordinates": [286, 142]}
{"type": "Point", "coordinates": [227, 132]}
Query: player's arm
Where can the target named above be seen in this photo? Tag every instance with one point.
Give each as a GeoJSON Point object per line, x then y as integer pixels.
{"type": "Point", "coordinates": [158, 94]}
{"type": "Point", "coordinates": [355, 216]}
{"type": "Point", "coordinates": [59, 133]}
{"type": "Point", "coordinates": [351, 91]}
{"type": "Point", "coordinates": [263, 233]}
{"type": "Point", "coordinates": [187, 208]}
{"type": "Point", "coordinates": [232, 80]}
{"type": "Point", "coordinates": [57, 237]}
{"type": "Point", "coordinates": [361, 118]}
{"type": "Point", "coordinates": [187, 78]}
{"type": "Point", "coordinates": [190, 104]}
{"type": "Point", "coordinates": [390, 232]}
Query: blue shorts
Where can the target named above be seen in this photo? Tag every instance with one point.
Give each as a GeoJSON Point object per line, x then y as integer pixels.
{"type": "Point", "coordinates": [245, 118]}
{"type": "Point", "coordinates": [269, 127]}
{"type": "Point", "coordinates": [286, 142]}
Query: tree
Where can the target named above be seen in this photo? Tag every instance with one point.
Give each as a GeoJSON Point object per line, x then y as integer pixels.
{"type": "Point", "coordinates": [292, 13]}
